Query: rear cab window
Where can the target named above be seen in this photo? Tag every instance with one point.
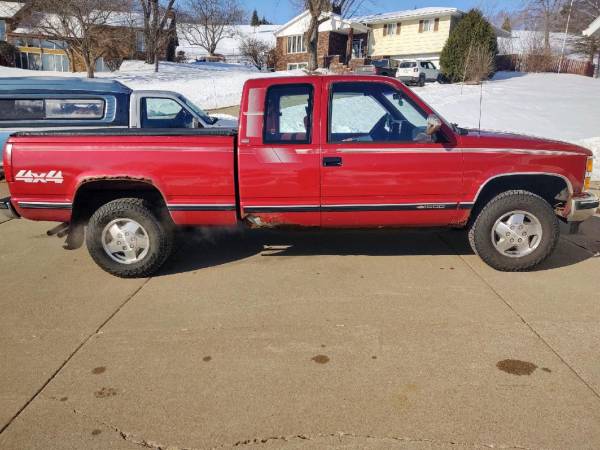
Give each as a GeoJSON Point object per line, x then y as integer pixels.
{"type": "Point", "coordinates": [19, 109]}
{"type": "Point", "coordinates": [288, 114]}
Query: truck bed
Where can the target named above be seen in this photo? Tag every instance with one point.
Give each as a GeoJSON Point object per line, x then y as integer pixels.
{"type": "Point", "coordinates": [193, 170]}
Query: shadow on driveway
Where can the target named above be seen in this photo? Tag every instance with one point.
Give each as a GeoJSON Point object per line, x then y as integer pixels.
{"type": "Point", "coordinates": [202, 248]}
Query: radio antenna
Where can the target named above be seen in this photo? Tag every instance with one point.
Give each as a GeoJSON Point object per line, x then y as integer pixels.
{"type": "Point", "coordinates": [480, 104]}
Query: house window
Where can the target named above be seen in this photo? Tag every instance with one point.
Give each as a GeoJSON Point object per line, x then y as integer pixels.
{"type": "Point", "coordinates": [295, 44]}
{"type": "Point", "coordinates": [140, 41]}
{"type": "Point", "coordinates": [390, 29]}
{"type": "Point", "coordinates": [2, 30]}
{"type": "Point", "coordinates": [297, 66]}
{"type": "Point", "coordinates": [427, 25]}
{"type": "Point", "coordinates": [100, 65]}
{"type": "Point", "coordinates": [44, 61]}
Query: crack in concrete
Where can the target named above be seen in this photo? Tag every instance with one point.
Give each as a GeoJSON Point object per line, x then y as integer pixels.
{"type": "Point", "coordinates": [509, 305]}
{"type": "Point", "coordinates": [341, 435]}
{"type": "Point", "coordinates": [72, 355]}
{"type": "Point", "coordinates": [130, 437]}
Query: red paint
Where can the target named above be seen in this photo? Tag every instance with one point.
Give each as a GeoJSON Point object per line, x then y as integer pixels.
{"type": "Point", "coordinates": [199, 170]}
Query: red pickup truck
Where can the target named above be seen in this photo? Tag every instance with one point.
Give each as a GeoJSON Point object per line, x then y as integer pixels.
{"type": "Point", "coordinates": [312, 151]}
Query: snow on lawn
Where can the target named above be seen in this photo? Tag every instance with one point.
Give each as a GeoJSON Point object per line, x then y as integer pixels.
{"type": "Point", "coordinates": [562, 107]}
{"type": "Point", "coordinates": [208, 85]}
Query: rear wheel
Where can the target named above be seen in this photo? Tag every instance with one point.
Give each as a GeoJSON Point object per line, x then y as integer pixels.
{"type": "Point", "coordinates": [516, 231]}
{"type": "Point", "coordinates": [126, 239]}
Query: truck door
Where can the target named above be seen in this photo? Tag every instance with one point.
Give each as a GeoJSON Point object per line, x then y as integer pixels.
{"type": "Point", "coordinates": [377, 169]}
{"type": "Point", "coordinates": [279, 153]}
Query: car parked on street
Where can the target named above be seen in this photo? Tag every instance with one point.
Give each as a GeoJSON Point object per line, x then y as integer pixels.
{"type": "Point", "coordinates": [43, 103]}
{"type": "Point", "coordinates": [384, 67]}
{"type": "Point", "coordinates": [312, 151]}
{"type": "Point", "coordinates": [417, 72]}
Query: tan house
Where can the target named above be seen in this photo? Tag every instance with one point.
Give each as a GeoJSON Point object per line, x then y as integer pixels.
{"type": "Point", "coordinates": [412, 34]}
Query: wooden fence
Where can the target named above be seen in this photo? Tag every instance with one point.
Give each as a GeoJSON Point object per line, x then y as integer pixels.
{"type": "Point", "coordinates": [544, 63]}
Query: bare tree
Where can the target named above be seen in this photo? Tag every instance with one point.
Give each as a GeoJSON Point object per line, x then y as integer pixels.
{"type": "Point", "coordinates": [319, 13]}
{"type": "Point", "coordinates": [157, 29]}
{"type": "Point", "coordinates": [549, 13]}
{"type": "Point", "coordinates": [256, 51]}
{"type": "Point", "coordinates": [210, 21]}
{"type": "Point", "coordinates": [82, 24]}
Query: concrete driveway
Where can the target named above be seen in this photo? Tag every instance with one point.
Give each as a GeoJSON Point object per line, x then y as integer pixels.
{"type": "Point", "coordinates": [391, 339]}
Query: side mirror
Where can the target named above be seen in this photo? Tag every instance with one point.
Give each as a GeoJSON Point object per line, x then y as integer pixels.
{"type": "Point", "coordinates": [433, 124]}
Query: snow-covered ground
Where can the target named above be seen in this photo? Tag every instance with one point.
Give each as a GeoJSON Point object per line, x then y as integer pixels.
{"type": "Point", "coordinates": [209, 85]}
{"type": "Point", "coordinates": [563, 107]}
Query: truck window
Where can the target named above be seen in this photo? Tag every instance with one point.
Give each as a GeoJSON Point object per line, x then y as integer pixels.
{"type": "Point", "coordinates": [288, 117]}
{"type": "Point", "coordinates": [74, 109]}
{"type": "Point", "coordinates": [165, 113]}
{"type": "Point", "coordinates": [21, 109]}
{"type": "Point", "coordinates": [373, 112]}
{"type": "Point", "coordinates": [48, 109]}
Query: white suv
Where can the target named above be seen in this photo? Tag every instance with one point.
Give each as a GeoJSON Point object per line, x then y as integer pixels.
{"type": "Point", "coordinates": [417, 72]}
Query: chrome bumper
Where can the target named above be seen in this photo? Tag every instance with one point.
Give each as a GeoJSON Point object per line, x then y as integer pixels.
{"type": "Point", "coordinates": [7, 209]}
{"type": "Point", "coordinates": [582, 208]}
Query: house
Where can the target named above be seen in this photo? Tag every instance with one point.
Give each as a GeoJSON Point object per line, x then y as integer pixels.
{"type": "Point", "coordinates": [414, 34]}
{"type": "Point", "coordinates": [411, 34]}
{"type": "Point", "coordinates": [9, 12]}
{"type": "Point", "coordinates": [229, 47]}
{"type": "Point", "coordinates": [123, 38]}
{"type": "Point", "coordinates": [594, 31]}
{"type": "Point", "coordinates": [339, 40]}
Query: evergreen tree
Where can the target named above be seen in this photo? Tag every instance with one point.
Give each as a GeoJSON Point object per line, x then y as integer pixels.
{"type": "Point", "coordinates": [506, 25]}
{"type": "Point", "coordinates": [264, 21]}
{"type": "Point", "coordinates": [473, 34]}
{"type": "Point", "coordinates": [255, 21]}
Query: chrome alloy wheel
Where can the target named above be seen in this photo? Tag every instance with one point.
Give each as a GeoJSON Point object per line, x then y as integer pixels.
{"type": "Point", "coordinates": [125, 241]}
{"type": "Point", "coordinates": [517, 234]}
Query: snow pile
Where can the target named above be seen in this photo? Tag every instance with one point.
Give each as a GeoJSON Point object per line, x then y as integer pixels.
{"type": "Point", "coordinates": [563, 107]}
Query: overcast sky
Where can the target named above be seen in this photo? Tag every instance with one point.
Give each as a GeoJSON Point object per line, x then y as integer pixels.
{"type": "Point", "coordinates": [280, 11]}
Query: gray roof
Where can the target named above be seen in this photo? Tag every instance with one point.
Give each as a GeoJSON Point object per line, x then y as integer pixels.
{"type": "Point", "coordinates": [62, 84]}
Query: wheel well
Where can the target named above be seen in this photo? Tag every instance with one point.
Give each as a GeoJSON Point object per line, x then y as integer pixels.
{"type": "Point", "coordinates": [549, 187]}
{"type": "Point", "coordinates": [92, 195]}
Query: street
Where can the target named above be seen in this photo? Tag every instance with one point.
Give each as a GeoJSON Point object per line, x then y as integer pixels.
{"type": "Point", "coordinates": [274, 339]}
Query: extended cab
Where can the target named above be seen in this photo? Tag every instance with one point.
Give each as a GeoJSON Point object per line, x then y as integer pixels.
{"type": "Point", "coordinates": [313, 151]}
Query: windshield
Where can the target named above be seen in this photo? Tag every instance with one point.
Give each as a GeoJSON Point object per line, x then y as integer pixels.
{"type": "Point", "coordinates": [406, 65]}
{"type": "Point", "coordinates": [200, 113]}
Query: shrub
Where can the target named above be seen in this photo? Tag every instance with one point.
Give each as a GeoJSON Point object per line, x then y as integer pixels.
{"type": "Point", "coordinates": [473, 41]}
{"type": "Point", "coordinates": [8, 54]}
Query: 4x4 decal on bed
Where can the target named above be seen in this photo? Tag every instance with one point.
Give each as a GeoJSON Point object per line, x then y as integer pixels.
{"type": "Point", "coordinates": [54, 176]}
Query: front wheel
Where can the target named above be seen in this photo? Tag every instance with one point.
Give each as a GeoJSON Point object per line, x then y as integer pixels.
{"type": "Point", "coordinates": [516, 231]}
{"type": "Point", "coordinates": [125, 238]}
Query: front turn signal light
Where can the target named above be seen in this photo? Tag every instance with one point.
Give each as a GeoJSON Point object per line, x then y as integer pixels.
{"type": "Point", "coordinates": [589, 168]}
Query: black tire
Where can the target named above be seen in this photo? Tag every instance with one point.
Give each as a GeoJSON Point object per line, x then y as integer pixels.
{"type": "Point", "coordinates": [160, 237]}
{"type": "Point", "coordinates": [421, 80]}
{"type": "Point", "coordinates": [480, 233]}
